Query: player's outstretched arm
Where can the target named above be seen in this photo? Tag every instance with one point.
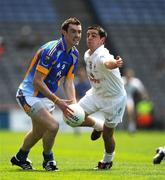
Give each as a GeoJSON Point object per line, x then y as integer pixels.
{"type": "Point", "coordinates": [114, 63]}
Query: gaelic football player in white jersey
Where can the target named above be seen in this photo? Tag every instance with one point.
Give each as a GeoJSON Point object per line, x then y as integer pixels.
{"type": "Point", "coordinates": [107, 97]}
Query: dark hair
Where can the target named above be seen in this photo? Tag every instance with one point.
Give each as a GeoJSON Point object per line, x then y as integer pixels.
{"type": "Point", "coordinates": [100, 30]}
{"type": "Point", "coordinates": [71, 20]}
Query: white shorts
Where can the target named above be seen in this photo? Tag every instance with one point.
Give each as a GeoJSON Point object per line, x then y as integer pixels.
{"type": "Point", "coordinates": [109, 110]}
{"type": "Point", "coordinates": [32, 105]}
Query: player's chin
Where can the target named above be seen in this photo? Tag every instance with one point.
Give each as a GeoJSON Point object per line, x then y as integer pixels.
{"type": "Point", "coordinates": [76, 43]}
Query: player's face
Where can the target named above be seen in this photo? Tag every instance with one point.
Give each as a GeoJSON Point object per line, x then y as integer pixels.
{"type": "Point", "coordinates": [73, 35]}
{"type": "Point", "coordinates": [94, 40]}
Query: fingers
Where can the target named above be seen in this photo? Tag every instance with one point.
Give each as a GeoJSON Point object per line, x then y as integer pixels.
{"type": "Point", "coordinates": [71, 111]}
{"type": "Point", "coordinates": [119, 61]}
{"type": "Point", "coordinates": [68, 113]}
{"type": "Point", "coordinates": [118, 57]}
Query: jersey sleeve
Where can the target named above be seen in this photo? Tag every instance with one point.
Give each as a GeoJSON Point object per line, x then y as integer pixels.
{"type": "Point", "coordinates": [44, 63]}
{"type": "Point", "coordinates": [104, 57]}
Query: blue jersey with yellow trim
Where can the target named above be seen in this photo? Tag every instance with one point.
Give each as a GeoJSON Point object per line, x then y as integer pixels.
{"type": "Point", "coordinates": [55, 62]}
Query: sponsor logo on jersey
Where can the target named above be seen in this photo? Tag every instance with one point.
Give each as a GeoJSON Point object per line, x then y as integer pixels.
{"type": "Point", "coordinates": [58, 65]}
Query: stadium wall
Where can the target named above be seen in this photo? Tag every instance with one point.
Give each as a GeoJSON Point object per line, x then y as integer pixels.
{"type": "Point", "coordinates": [17, 120]}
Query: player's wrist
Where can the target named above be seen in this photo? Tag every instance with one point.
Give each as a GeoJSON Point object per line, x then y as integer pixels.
{"type": "Point", "coordinates": [56, 99]}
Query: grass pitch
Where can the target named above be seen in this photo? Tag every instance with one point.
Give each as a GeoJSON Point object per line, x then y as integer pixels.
{"type": "Point", "coordinates": [76, 156]}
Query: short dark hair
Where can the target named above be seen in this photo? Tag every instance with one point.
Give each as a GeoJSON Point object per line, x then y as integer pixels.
{"type": "Point", "coordinates": [71, 20]}
{"type": "Point", "coordinates": [100, 30]}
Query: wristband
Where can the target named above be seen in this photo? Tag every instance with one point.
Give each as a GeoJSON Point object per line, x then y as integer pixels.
{"type": "Point", "coordinates": [56, 100]}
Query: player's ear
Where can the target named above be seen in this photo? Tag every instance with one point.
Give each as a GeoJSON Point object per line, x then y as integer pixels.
{"type": "Point", "coordinates": [103, 40]}
{"type": "Point", "coordinates": [63, 32]}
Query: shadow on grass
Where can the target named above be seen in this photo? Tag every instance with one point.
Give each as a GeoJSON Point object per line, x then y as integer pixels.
{"type": "Point", "coordinates": [43, 171]}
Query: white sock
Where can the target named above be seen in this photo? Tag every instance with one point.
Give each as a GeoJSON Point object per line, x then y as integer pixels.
{"type": "Point", "coordinates": [98, 126]}
{"type": "Point", "coordinates": [108, 157]}
{"type": "Point", "coordinates": [163, 150]}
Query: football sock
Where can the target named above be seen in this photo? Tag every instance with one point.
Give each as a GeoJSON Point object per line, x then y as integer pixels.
{"type": "Point", "coordinates": [48, 156]}
{"type": "Point", "coordinates": [108, 157]}
{"type": "Point", "coordinates": [98, 126]}
{"type": "Point", "coordinates": [22, 155]}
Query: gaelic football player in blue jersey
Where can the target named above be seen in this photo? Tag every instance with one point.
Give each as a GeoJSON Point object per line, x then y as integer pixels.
{"type": "Point", "coordinates": [54, 61]}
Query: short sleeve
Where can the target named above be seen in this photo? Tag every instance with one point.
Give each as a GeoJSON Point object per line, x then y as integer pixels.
{"type": "Point", "coordinates": [44, 63]}
{"type": "Point", "coordinates": [105, 56]}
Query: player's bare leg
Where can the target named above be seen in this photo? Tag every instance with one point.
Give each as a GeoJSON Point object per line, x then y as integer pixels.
{"type": "Point", "coordinates": [109, 141]}
{"type": "Point", "coordinates": [30, 140]}
{"type": "Point", "coordinates": [109, 145]}
{"type": "Point", "coordinates": [97, 125]}
{"type": "Point", "coordinates": [33, 136]}
{"type": "Point", "coordinates": [44, 126]}
{"type": "Point", "coordinates": [48, 138]}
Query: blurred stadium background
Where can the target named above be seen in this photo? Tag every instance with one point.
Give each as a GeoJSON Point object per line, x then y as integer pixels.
{"type": "Point", "coordinates": [136, 30]}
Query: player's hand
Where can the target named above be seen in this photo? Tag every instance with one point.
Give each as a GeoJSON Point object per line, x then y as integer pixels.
{"type": "Point", "coordinates": [114, 63]}
{"type": "Point", "coordinates": [63, 105]}
{"type": "Point", "coordinates": [119, 61]}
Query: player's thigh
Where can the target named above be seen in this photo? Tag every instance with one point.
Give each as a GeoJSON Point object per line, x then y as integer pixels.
{"type": "Point", "coordinates": [37, 128]}
{"type": "Point", "coordinates": [31, 105]}
{"type": "Point", "coordinates": [88, 103]}
{"type": "Point", "coordinates": [114, 111]}
{"type": "Point", "coordinates": [45, 119]}
{"type": "Point", "coordinates": [39, 109]}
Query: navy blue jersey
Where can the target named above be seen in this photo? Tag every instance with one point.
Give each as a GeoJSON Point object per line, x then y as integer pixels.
{"type": "Point", "coordinates": [55, 62]}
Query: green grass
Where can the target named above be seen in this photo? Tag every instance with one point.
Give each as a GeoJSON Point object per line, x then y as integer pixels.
{"type": "Point", "coordinates": [77, 155]}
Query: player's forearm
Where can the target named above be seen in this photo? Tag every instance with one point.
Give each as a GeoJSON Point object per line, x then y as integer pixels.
{"type": "Point", "coordinates": [42, 87]}
{"type": "Point", "coordinates": [70, 90]}
{"type": "Point", "coordinates": [111, 64]}
{"type": "Point", "coordinates": [114, 63]}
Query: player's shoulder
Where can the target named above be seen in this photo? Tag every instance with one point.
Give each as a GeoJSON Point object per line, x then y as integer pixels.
{"type": "Point", "coordinates": [102, 49]}
{"type": "Point", "coordinates": [103, 52]}
{"type": "Point", "coordinates": [51, 47]}
{"type": "Point", "coordinates": [104, 55]}
{"type": "Point", "coordinates": [49, 44]}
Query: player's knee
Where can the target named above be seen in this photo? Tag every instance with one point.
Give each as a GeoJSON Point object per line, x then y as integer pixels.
{"type": "Point", "coordinates": [53, 127]}
{"type": "Point", "coordinates": [106, 137]}
{"type": "Point", "coordinates": [107, 133]}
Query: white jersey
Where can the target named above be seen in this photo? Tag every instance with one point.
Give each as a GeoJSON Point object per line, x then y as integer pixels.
{"type": "Point", "coordinates": [104, 82]}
